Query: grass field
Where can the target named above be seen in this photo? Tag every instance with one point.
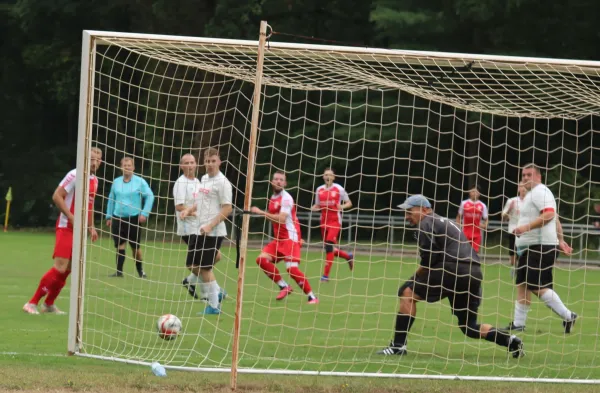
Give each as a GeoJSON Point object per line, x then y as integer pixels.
{"type": "Point", "coordinates": [355, 318]}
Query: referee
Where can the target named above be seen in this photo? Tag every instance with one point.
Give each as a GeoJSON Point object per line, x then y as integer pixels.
{"type": "Point", "coordinates": [449, 268]}
{"type": "Point", "coordinates": [125, 214]}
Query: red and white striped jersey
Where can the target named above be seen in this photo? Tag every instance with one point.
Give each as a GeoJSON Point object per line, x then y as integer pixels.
{"type": "Point", "coordinates": [283, 202]}
{"type": "Point", "coordinates": [472, 213]}
{"type": "Point", "coordinates": [68, 183]}
{"type": "Point", "coordinates": [329, 199]}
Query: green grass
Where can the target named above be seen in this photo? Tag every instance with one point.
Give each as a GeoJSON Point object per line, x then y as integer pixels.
{"type": "Point", "coordinates": [355, 318]}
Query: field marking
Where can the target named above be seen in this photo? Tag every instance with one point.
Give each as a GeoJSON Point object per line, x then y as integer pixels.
{"type": "Point", "coordinates": [51, 355]}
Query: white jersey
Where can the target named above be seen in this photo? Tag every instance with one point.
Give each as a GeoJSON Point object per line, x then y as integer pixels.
{"type": "Point", "coordinates": [68, 183]}
{"type": "Point", "coordinates": [184, 193]}
{"type": "Point", "coordinates": [512, 208]}
{"type": "Point", "coordinates": [538, 200]}
{"type": "Point", "coordinates": [214, 192]}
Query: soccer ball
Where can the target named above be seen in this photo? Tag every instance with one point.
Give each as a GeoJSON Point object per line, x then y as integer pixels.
{"type": "Point", "coordinates": [168, 327]}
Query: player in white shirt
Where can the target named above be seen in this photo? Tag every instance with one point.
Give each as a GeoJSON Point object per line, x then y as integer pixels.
{"type": "Point", "coordinates": [55, 279]}
{"type": "Point", "coordinates": [511, 213]}
{"type": "Point", "coordinates": [210, 205]}
{"type": "Point", "coordinates": [539, 239]}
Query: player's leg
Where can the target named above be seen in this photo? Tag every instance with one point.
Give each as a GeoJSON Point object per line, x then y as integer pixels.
{"type": "Point", "coordinates": [210, 247]}
{"type": "Point", "coordinates": [407, 311]}
{"type": "Point", "coordinates": [119, 233]}
{"type": "Point", "coordinates": [545, 292]}
{"type": "Point", "coordinates": [333, 235]}
{"type": "Point", "coordinates": [134, 237]}
{"type": "Point", "coordinates": [512, 253]}
{"type": "Point", "coordinates": [192, 262]}
{"type": "Point", "coordinates": [291, 250]}
{"type": "Point", "coordinates": [266, 260]}
{"type": "Point", "coordinates": [475, 243]}
{"type": "Point", "coordinates": [523, 302]}
{"type": "Point", "coordinates": [328, 244]}
{"type": "Point", "coordinates": [63, 266]}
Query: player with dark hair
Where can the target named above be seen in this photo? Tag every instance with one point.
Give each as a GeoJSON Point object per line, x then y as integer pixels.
{"type": "Point", "coordinates": [449, 268]}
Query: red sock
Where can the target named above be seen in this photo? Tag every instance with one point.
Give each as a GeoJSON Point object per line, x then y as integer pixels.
{"type": "Point", "coordinates": [342, 254]}
{"type": "Point", "coordinates": [44, 285]}
{"type": "Point", "coordinates": [56, 287]}
{"type": "Point", "coordinates": [300, 279]}
{"type": "Point", "coordinates": [328, 263]}
{"type": "Point", "coordinates": [269, 268]}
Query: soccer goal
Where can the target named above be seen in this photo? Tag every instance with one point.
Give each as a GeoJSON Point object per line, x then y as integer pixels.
{"type": "Point", "coordinates": [390, 123]}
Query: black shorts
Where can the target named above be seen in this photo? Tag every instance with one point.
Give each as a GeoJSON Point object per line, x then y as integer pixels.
{"type": "Point", "coordinates": [535, 265]}
{"type": "Point", "coordinates": [458, 282]}
{"type": "Point", "coordinates": [511, 244]}
{"type": "Point", "coordinates": [202, 250]}
{"type": "Point", "coordinates": [126, 229]}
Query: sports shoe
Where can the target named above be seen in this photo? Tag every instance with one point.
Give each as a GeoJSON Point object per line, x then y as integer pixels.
{"type": "Point", "coordinates": [30, 308]}
{"type": "Point", "coordinates": [512, 327]}
{"type": "Point", "coordinates": [392, 350]}
{"type": "Point", "coordinates": [324, 279]}
{"type": "Point", "coordinates": [142, 274]}
{"type": "Point", "coordinates": [51, 310]}
{"type": "Point", "coordinates": [117, 274]}
{"type": "Point", "coordinates": [515, 346]}
{"type": "Point", "coordinates": [284, 292]}
{"type": "Point", "coordinates": [314, 300]}
{"type": "Point", "coordinates": [351, 261]}
{"type": "Point", "coordinates": [209, 310]}
{"type": "Point", "coordinates": [568, 325]}
{"type": "Point", "coordinates": [190, 288]}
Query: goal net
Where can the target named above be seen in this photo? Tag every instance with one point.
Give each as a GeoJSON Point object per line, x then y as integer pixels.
{"type": "Point", "coordinates": [390, 124]}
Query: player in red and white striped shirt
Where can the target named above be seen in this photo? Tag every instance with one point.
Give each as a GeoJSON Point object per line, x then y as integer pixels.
{"type": "Point", "coordinates": [286, 229]}
{"type": "Point", "coordinates": [331, 199]}
{"type": "Point", "coordinates": [472, 216]}
{"type": "Point", "coordinates": [64, 198]}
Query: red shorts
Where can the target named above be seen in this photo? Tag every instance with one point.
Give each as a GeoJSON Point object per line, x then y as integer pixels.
{"type": "Point", "coordinates": [475, 241]}
{"type": "Point", "coordinates": [330, 233]}
{"type": "Point", "coordinates": [288, 250]}
{"type": "Point", "coordinates": [63, 247]}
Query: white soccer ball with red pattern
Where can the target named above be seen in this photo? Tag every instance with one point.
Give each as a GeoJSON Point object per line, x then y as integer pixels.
{"type": "Point", "coordinates": [168, 326]}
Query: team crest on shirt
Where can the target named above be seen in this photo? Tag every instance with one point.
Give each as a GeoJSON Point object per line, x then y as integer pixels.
{"type": "Point", "coordinates": [276, 205]}
{"type": "Point", "coordinates": [333, 194]}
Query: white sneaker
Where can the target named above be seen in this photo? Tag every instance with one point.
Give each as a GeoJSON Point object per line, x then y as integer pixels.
{"type": "Point", "coordinates": [30, 308]}
{"type": "Point", "coordinates": [52, 310]}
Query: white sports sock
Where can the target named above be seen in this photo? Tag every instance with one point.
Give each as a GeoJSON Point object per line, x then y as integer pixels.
{"type": "Point", "coordinates": [553, 301]}
{"type": "Point", "coordinates": [521, 311]}
{"type": "Point", "coordinates": [282, 283]}
{"type": "Point", "coordinates": [193, 279]}
{"type": "Point", "coordinates": [311, 295]}
{"type": "Point", "coordinates": [212, 291]}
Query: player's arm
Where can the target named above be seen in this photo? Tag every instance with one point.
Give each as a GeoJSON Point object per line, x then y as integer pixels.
{"type": "Point", "coordinates": [562, 244]}
{"type": "Point", "coordinates": [484, 218]}
{"type": "Point", "coordinates": [110, 208]}
{"type": "Point", "coordinates": [425, 250]}
{"type": "Point", "coordinates": [346, 202]}
{"type": "Point", "coordinates": [459, 216]}
{"type": "Point", "coordinates": [317, 205]}
{"type": "Point", "coordinates": [225, 200]}
{"type": "Point", "coordinates": [507, 209]}
{"type": "Point", "coordinates": [544, 218]}
{"type": "Point", "coordinates": [59, 196]}
{"type": "Point", "coordinates": [278, 218]}
{"type": "Point", "coordinates": [148, 198]}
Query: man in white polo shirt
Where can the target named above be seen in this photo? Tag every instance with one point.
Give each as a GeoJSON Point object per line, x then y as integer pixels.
{"type": "Point", "coordinates": [539, 237]}
{"type": "Point", "coordinates": [511, 211]}
{"type": "Point", "coordinates": [212, 204]}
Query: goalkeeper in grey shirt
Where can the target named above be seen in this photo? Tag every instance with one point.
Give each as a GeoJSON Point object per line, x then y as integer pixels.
{"type": "Point", "coordinates": [449, 268]}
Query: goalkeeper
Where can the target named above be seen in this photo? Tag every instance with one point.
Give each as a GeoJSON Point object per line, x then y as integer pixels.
{"type": "Point", "coordinates": [449, 268]}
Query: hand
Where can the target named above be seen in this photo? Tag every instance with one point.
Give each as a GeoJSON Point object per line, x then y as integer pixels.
{"type": "Point", "coordinates": [71, 219]}
{"type": "Point", "coordinates": [93, 234]}
{"type": "Point", "coordinates": [142, 219]}
{"type": "Point", "coordinates": [565, 248]}
{"type": "Point", "coordinates": [108, 223]}
{"type": "Point", "coordinates": [340, 207]}
{"type": "Point", "coordinates": [597, 224]}
{"type": "Point", "coordinates": [188, 212]}
{"type": "Point", "coordinates": [255, 210]}
{"type": "Point", "coordinates": [315, 208]}
{"type": "Point", "coordinates": [519, 230]}
{"type": "Point", "coordinates": [206, 228]}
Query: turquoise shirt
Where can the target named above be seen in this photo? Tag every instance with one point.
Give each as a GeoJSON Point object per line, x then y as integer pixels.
{"type": "Point", "coordinates": [126, 198]}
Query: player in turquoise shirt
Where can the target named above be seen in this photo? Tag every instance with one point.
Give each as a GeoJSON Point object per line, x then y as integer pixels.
{"type": "Point", "coordinates": [125, 214]}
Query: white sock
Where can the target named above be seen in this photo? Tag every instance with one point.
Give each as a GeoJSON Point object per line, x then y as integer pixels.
{"type": "Point", "coordinates": [282, 283]}
{"type": "Point", "coordinates": [212, 291]}
{"type": "Point", "coordinates": [193, 279]}
{"type": "Point", "coordinates": [553, 301]}
{"type": "Point", "coordinates": [521, 311]}
{"type": "Point", "coordinates": [311, 295]}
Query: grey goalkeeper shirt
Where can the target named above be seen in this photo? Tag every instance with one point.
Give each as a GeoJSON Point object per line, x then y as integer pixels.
{"type": "Point", "coordinates": [441, 241]}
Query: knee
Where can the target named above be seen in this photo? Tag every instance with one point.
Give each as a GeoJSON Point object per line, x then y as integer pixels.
{"type": "Point", "coordinates": [218, 257]}
{"type": "Point", "coordinates": [62, 265]}
{"type": "Point", "coordinates": [328, 247]}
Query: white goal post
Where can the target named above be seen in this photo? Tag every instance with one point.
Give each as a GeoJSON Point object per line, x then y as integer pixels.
{"type": "Point", "coordinates": [391, 123]}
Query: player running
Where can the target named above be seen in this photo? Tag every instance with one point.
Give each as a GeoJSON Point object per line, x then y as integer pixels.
{"type": "Point", "coordinates": [282, 213]}
{"type": "Point", "coordinates": [331, 199]}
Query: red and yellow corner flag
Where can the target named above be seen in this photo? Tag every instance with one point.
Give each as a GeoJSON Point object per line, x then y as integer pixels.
{"type": "Point", "coordinates": [8, 200]}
